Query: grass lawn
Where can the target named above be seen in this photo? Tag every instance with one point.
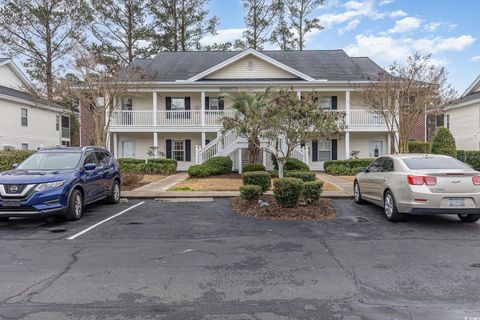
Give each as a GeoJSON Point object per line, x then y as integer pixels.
{"type": "Point", "coordinates": [225, 182]}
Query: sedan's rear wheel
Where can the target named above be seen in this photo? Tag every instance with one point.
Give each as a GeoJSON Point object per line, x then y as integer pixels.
{"type": "Point", "coordinates": [390, 207]}
{"type": "Point", "coordinates": [357, 194]}
{"type": "Point", "coordinates": [469, 217]}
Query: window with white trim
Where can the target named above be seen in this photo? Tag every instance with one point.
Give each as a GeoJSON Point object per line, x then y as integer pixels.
{"type": "Point", "coordinates": [178, 150]}
{"type": "Point", "coordinates": [178, 104]}
{"type": "Point", "coordinates": [24, 146]}
{"type": "Point", "coordinates": [324, 150]}
{"type": "Point", "coordinates": [447, 121]}
{"type": "Point", "coordinates": [57, 122]}
{"type": "Point", "coordinates": [325, 102]}
{"type": "Point", "coordinates": [24, 115]}
{"type": "Point", "coordinates": [213, 103]}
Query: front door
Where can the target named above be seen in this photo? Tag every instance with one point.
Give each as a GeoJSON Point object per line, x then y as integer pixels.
{"type": "Point", "coordinates": [128, 149]}
{"type": "Point", "coordinates": [375, 148]}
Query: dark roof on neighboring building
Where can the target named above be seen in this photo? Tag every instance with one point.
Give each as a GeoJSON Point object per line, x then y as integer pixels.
{"type": "Point", "coordinates": [3, 59]}
{"type": "Point", "coordinates": [331, 65]}
{"type": "Point", "coordinates": [468, 97]}
{"type": "Point", "coordinates": [22, 95]}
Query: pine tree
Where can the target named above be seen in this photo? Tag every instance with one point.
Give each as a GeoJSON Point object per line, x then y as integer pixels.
{"type": "Point", "coordinates": [282, 35]}
{"type": "Point", "coordinates": [180, 24]}
{"type": "Point", "coordinates": [258, 19]}
{"type": "Point", "coordinates": [42, 32]}
{"type": "Point", "coordinates": [299, 11]}
{"type": "Point", "coordinates": [120, 27]}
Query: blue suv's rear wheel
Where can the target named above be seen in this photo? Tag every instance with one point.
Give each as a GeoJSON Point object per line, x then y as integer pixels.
{"type": "Point", "coordinates": [114, 196]}
{"type": "Point", "coordinates": [75, 206]}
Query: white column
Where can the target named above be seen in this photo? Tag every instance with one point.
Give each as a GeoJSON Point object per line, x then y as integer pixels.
{"type": "Point", "coordinates": [299, 94]}
{"type": "Point", "coordinates": [389, 144]}
{"type": "Point", "coordinates": [155, 108]}
{"type": "Point", "coordinates": [115, 145]}
{"type": "Point", "coordinates": [155, 144]}
{"type": "Point", "coordinates": [347, 109]}
{"type": "Point", "coordinates": [347, 145]}
{"type": "Point", "coordinates": [264, 158]}
{"type": "Point", "coordinates": [202, 103]}
{"type": "Point", "coordinates": [240, 169]}
{"type": "Point", "coordinates": [203, 139]}
{"type": "Point", "coordinates": [397, 139]}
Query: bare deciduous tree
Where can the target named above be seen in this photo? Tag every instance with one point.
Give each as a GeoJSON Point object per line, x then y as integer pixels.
{"type": "Point", "coordinates": [404, 93]}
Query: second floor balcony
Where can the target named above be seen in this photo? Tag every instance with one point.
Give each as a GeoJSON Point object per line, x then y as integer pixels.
{"type": "Point", "coordinates": [357, 120]}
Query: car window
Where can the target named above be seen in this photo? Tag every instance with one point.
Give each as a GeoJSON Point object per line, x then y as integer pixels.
{"type": "Point", "coordinates": [102, 158]}
{"type": "Point", "coordinates": [376, 166]}
{"type": "Point", "coordinates": [422, 163]}
{"type": "Point", "coordinates": [51, 161]}
{"type": "Point", "coordinates": [388, 165]}
{"type": "Point", "coordinates": [90, 158]}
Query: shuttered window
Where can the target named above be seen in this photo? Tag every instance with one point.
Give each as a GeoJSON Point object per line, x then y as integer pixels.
{"type": "Point", "coordinates": [178, 150]}
{"type": "Point", "coordinates": [324, 150]}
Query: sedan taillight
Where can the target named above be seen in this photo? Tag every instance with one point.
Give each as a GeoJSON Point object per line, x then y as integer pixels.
{"type": "Point", "coordinates": [476, 180]}
{"type": "Point", "coordinates": [421, 180]}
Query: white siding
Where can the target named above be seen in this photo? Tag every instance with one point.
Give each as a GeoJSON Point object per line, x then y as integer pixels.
{"type": "Point", "coordinates": [40, 130]}
{"type": "Point", "coordinates": [8, 78]}
{"type": "Point", "coordinates": [240, 70]}
{"type": "Point", "coordinates": [465, 126]}
{"type": "Point", "coordinates": [359, 141]}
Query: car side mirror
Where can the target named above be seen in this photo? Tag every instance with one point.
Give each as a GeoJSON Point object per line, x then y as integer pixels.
{"type": "Point", "coordinates": [14, 166]}
{"type": "Point", "coordinates": [89, 166]}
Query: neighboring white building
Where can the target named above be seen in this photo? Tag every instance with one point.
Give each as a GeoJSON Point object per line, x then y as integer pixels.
{"type": "Point", "coordinates": [462, 118]}
{"type": "Point", "coordinates": [177, 108]}
{"type": "Point", "coordinates": [27, 122]}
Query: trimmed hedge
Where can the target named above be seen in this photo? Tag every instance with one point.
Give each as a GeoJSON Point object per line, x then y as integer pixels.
{"type": "Point", "coordinates": [153, 166]}
{"type": "Point", "coordinates": [470, 157]}
{"type": "Point", "coordinates": [292, 164]}
{"type": "Point", "coordinates": [312, 190]}
{"type": "Point", "coordinates": [250, 192]}
{"type": "Point", "coordinates": [418, 147]}
{"type": "Point", "coordinates": [287, 192]}
{"type": "Point", "coordinates": [211, 167]}
{"type": "Point", "coordinates": [346, 167]}
{"type": "Point", "coordinates": [9, 158]}
{"type": "Point", "coordinates": [258, 178]}
{"type": "Point", "coordinates": [249, 167]}
{"type": "Point", "coordinates": [444, 143]}
{"type": "Point", "coordinates": [304, 175]}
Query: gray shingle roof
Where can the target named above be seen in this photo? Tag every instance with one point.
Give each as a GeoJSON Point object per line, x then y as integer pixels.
{"type": "Point", "coordinates": [22, 95]}
{"type": "Point", "coordinates": [468, 97]}
{"type": "Point", "coordinates": [3, 59]}
{"type": "Point", "coordinates": [332, 65]}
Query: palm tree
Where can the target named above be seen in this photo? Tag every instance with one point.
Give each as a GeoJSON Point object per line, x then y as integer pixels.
{"type": "Point", "coordinates": [247, 121]}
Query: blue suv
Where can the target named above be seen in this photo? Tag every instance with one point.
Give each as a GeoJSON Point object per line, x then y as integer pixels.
{"type": "Point", "coordinates": [59, 181]}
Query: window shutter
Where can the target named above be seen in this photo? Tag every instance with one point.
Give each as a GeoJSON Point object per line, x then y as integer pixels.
{"type": "Point", "coordinates": [207, 103]}
{"type": "Point", "coordinates": [168, 103]}
{"type": "Point", "coordinates": [314, 150]}
{"type": "Point", "coordinates": [334, 103]}
{"type": "Point", "coordinates": [334, 149]}
{"type": "Point", "coordinates": [188, 150]}
{"type": "Point", "coordinates": [169, 148]}
{"type": "Point", "coordinates": [221, 103]}
{"type": "Point", "coordinates": [187, 103]}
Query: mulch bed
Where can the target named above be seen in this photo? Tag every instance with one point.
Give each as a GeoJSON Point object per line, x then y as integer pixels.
{"type": "Point", "coordinates": [322, 210]}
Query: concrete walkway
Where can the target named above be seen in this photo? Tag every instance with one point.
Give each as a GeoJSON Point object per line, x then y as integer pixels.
{"type": "Point", "coordinates": [157, 187]}
{"type": "Point", "coordinates": [345, 186]}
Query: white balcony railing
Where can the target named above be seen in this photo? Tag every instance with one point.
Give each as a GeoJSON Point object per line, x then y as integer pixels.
{"type": "Point", "coordinates": [366, 118]}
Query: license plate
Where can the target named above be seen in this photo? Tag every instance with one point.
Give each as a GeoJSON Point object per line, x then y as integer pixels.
{"type": "Point", "coordinates": [11, 203]}
{"type": "Point", "coordinates": [456, 202]}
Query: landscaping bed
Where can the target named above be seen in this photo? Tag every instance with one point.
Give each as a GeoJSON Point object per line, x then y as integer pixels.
{"type": "Point", "coordinates": [321, 210]}
{"type": "Point", "coordinates": [146, 179]}
{"type": "Point", "coordinates": [224, 182]}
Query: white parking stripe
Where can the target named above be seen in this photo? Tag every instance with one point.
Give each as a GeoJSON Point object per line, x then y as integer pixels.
{"type": "Point", "coordinates": [103, 221]}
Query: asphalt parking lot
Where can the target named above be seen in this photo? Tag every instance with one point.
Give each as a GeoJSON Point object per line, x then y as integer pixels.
{"type": "Point", "coordinates": [202, 261]}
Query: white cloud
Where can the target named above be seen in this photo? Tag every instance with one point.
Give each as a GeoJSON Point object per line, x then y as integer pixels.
{"type": "Point", "coordinates": [350, 26]}
{"type": "Point", "coordinates": [475, 59]}
{"type": "Point", "coordinates": [405, 25]}
{"type": "Point", "coordinates": [397, 14]}
{"type": "Point", "coordinates": [432, 26]}
{"type": "Point", "coordinates": [384, 2]}
{"type": "Point", "coordinates": [386, 49]}
{"type": "Point", "coordinates": [222, 36]}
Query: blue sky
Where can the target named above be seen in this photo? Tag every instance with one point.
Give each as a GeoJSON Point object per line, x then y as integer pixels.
{"type": "Point", "coordinates": [387, 31]}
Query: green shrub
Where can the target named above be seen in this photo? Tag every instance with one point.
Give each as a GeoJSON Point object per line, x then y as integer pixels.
{"type": "Point", "coordinates": [287, 192]}
{"type": "Point", "coordinates": [130, 161]}
{"type": "Point", "coordinates": [351, 163]}
{"type": "Point", "coordinates": [292, 164]}
{"type": "Point", "coordinates": [470, 157]}
{"type": "Point", "coordinates": [223, 164]}
{"type": "Point", "coordinates": [131, 178]}
{"type": "Point", "coordinates": [418, 147]}
{"type": "Point", "coordinates": [249, 167]}
{"type": "Point", "coordinates": [444, 143]}
{"type": "Point", "coordinates": [343, 170]}
{"type": "Point", "coordinates": [9, 158]}
{"type": "Point", "coordinates": [199, 171]}
{"type": "Point", "coordinates": [250, 192]}
{"type": "Point", "coordinates": [304, 175]}
{"type": "Point", "coordinates": [312, 190]}
{"type": "Point", "coordinates": [258, 178]}
{"type": "Point", "coordinates": [153, 166]}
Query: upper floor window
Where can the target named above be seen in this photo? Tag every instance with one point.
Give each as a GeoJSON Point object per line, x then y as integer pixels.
{"type": "Point", "coordinates": [127, 104]}
{"type": "Point", "coordinates": [325, 102]}
{"type": "Point", "coordinates": [24, 114]}
{"type": "Point", "coordinates": [213, 104]}
{"type": "Point", "coordinates": [57, 122]}
{"type": "Point", "coordinates": [178, 104]}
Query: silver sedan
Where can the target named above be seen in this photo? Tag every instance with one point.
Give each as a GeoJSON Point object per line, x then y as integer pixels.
{"type": "Point", "coordinates": [422, 184]}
